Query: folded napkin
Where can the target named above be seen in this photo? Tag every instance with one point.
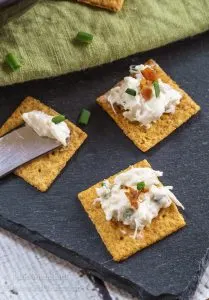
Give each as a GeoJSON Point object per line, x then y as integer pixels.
{"type": "Point", "coordinates": [43, 37]}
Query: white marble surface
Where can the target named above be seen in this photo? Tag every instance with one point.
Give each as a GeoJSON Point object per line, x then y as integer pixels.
{"type": "Point", "coordinates": [30, 273]}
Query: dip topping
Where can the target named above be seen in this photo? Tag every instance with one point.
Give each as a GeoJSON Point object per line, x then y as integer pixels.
{"type": "Point", "coordinates": [143, 97]}
{"type": "Point", "coordinates": [135, 197]}
{"type": "Point", "coordinates": [44, 125]}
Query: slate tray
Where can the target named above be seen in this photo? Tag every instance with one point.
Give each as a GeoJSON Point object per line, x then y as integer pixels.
{"type": "Point", "coordinates": [56, 221]}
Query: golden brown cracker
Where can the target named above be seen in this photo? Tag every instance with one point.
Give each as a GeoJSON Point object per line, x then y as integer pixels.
{"type": "Point", "coordinates": [114, 5]}
{"type": "Point", "coordinates": [42, 171]}
{"type": "Point", "coordinates": [145, 138]}
{"type": "Point", "coordinates": [121, 245]}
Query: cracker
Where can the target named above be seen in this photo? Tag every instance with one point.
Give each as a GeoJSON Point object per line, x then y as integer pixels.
{"type": "Point", "coordinates": [114, 5]}
{"type": "Point", "coordinates": [42, 171]}
{"type": "Point", "coordinates": [122, 246]}
{"type": "Point", "coordinates": [144, 138]}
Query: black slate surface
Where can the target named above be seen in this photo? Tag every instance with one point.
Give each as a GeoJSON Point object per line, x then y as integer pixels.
{"type": "Point", "coordinates": [56, 221]}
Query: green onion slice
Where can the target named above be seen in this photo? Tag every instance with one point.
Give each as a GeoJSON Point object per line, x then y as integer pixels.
{"type": "Point", "coordinates": [140, 185]}
{"type": "Point", "coordinates": [12, 61]}
{"type": "Point", "coordinates": [157, 88]}
{"type": "Point", "coordinates": [58, 119]}
{"type": "Point", "coordinates": [131, 92]}
{"type": "Point", "coordinates": [84, 117]}
{"type": "Point", "coordinates": [84, 37]}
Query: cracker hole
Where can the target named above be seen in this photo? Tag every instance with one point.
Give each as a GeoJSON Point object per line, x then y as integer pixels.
{"type": "Point", "coordinates": [121, 238]}
{"type": "Point", "coordinates": [39, 170]}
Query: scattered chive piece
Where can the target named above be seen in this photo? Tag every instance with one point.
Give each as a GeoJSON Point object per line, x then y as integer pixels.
{"type": "Point", "coordinates": [140, 185]}
{"type": "Point", "coordinates": [131, 92]}
{"type": "Point", "coordinates": [12, 62]}
{"type": "Point", "coordinates": [84, 117]}
{"type": "Point", "coordinates": [157, 88]}
{"type": "Point", "coordinates": [103, 183]}
{"type": "Point", "coordinates": [58, 119]}
{"type": "Point", "coordinates": [84, 37]}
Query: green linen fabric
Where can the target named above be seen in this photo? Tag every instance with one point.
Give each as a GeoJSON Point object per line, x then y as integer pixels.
{"type": "Point", "coordinates": [44, 36]}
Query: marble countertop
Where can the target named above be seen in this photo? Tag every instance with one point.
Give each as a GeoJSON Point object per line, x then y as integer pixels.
{"type": "Point", "coordinates": [30, 273]}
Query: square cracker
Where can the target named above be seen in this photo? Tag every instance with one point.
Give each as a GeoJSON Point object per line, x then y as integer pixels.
{"type": "Point", "coordinates": [114, 5]}
{"type": "Point", "coordinates": [122, 246]}
{"type": "Point", "coordinates": [42, 171]}
{"type": "Point", "coordinates": [145, 138]}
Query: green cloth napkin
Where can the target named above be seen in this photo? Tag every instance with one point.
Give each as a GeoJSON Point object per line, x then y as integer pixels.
{"type": "Point", "coordinates": [44, 36]}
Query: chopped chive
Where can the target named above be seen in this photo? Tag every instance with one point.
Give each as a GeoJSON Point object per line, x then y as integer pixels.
{"type": "Point", "coordinates": [58, 119]}
{"type": "Point", "coordinates": [140, 185]}
{"type": "Point", "coordinates": [12, 61]}
{"type": "Point", "coordinates": [84, 37]}
{"type": "Point", "coordinates": [103, 184]}
{"type": "Point", "coordinates": [131, 92]}
{"type": "Point", "coordinates": [84, 117]}
{"type": "Point", "coordinates": [157, 88]}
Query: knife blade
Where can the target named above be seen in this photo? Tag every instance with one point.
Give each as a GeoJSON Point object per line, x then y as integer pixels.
{"type": "Point", "coordinates": [21, 146]}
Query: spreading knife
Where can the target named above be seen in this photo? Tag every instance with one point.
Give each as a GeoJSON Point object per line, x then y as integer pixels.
{"type": "Point", "coordinates": [22, 145]}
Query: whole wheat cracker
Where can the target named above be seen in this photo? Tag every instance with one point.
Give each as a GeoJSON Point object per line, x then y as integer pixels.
{"type": "Point", "coordinates": [114, 5]}
{"type": "Point", "coordinates": [122, 246]}
{"type": "Point", "coordinates": [146, 138]}
{"type": "Point", "coordinates": [42, 171]}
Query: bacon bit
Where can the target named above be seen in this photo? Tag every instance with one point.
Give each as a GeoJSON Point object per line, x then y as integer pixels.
{"type": "Point", "coordinates": [145, 89]}
{"type": "Point", "coordinates": [149, 74]}
{"type": "Point", "coordinates": [114, 223]}
{"type": "Point", "coordinates": [133, 196]}
{"type": "Point", "coordinates": [143, 83]}
{"type": "Point", "coordinates": [146, 93]}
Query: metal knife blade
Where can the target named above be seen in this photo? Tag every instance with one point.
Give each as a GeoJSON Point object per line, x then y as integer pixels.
{"type": "Point", "coordinates": [21, 146]}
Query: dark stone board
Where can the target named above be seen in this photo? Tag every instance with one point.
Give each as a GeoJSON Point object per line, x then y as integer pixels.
{"type": "Point", "coordinates": [56, 221]}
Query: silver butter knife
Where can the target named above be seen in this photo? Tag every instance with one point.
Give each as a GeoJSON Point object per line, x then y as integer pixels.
{"type": "Point", "coordinates": [21, 146]}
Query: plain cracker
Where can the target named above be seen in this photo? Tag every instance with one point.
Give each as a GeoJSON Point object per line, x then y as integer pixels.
{"type": "Point", "coordinates": [42, 171]}
{"type": "Point", "coordinates": [114, 5]}
{"type": "Point", "coordinates": [144, 138]}
{"type": "Point", "coordinates": [122, 246]}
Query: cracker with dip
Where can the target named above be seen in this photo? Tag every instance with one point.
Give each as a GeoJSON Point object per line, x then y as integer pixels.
{"type": "Point", "coordinates": [148, 105]}
{"type": "Point", "coordinates": [132, 210]}
{"type": "Point", "coordinates": [42, 171]}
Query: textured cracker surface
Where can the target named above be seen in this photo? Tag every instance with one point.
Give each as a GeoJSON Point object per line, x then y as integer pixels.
{"type": "Point", "coordinates": [42, 171]}
{"type": "Point", "coordinates": [122, 246]}
{"type": "Point", "coordinates": [114, 5]}
{"type": "Point", "coordinates": [144, 138]}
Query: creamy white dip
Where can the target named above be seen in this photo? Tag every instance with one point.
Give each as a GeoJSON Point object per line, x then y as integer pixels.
{"type": "Point", "coordinates": [116, 205]}
{"type": "Point", "coordinates": [136, 108]}
{"type": "Point", "coordinates": [42, 124]}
